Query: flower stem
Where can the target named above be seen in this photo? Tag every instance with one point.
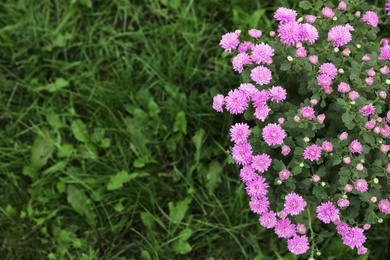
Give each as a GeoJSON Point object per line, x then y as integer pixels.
{"type": "Point", "coordinates": [312, 234]}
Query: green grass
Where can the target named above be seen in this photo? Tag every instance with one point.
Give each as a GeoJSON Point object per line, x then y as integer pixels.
{"type": "Point", "coordinates": [109, 148]}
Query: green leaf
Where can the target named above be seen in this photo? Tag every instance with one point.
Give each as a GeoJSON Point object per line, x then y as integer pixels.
{"type": "Point", "coordinates": [186, 234]}
{"type": "Point", "coordinates": [178, 211]}
{"type": "Point", "coordinates": [181, 247]}
{"type": "Point", "coordinates": [347, 118]}
{"type": "Point", "coordinates": [117, 181]}
{"type": "Point", "coordinates": [53, 119]}
{"type": "Point", "coordinates": [79, 130]}
{"type": "Point", "coordinates": [180, 123]}
{"type": "Point", "coordinates": [213, 176]}
{"type": "Point", "coordinates": [285, 66]}
{"type": "Point", "coordinates": [147, 219]}
{"type": "Point", "coordinates": [197, 139]}
{"type": "Point", "coordinates": [255, 18]}
{"type": "Point", "coordinates": [42, 150]}
{"type": "Point", "coordinates": [305, 5]}
{"type": "Point", "coordinates": [369, 138]}
{"type": "Point", "coordinates": [58, 84]}
{"type": "Point", "coordinates": [319, 192]}
{"type": "Point", "coordinates": [87, 3]}
{"type": "Point", "coordinates": [77, 199]}
{"type": "Point", "coordinates": [145, 255]}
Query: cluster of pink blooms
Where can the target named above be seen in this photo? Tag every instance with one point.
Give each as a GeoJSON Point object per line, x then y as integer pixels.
{"type": "Point", "coordinates": [258, 57]}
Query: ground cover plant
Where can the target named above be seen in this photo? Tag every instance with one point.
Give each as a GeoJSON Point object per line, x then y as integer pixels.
{"type": "Point", "coordinates": [106, 150]}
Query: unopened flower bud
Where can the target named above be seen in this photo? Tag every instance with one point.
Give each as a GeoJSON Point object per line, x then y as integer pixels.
{"type": "Point", "coordinates": [306, 139]}
{"type": "Point", "coordinates": [362, 160]}
{"type": "Point", "coordinates": [344, 136]}
{"type": "Point", "coordinates": [336, 49]}
{"type": "Point", "coordinates": [281, 120]}
{"type": "Point", "coordinates": [289, 58]}
{"type": "Point", "coordinates": [334, 18]}
{"type": "Point", "coordinates": [366, 226]}
{"type": "Point", "coordinates": [314, 101]}
{"type": "Point", "coordinates": [318, 253]}
{"type": "Point", "coordinates": [315, 178]}
{"type": "Point", "coordinates": [376, 181]}
{"type": "Point", "coordinates": [323, 184]}
{"type": "Point", "coordinates": [301, 165]}
{"type": "Point", "coordinates": [359, 167]}
{"type": "Point", "coordinates": [353, 102]}
{"type": "Point", "coordinates": [300, 19]}
{"type": "Point", "coordinates": [380, 220]}
{"type": "Point", "coordinates": [357, 14]}
{"type": "Point", "coordinates": [358, 46]}
{"type": "Point", "coordinates": [278, 182]}
{"type": "Point", "coordinates": [373, 199]}
{"type": "Point", "coordinates": [382, 95]}
{"type": "Point", "coordinates": [388, 81]}
{"type": "Point", "coordinates": [345, 196]}
{"type": "Point", "coordinates": [296, 119]}
{"type": "Point", "coordinates": [346, 52]}
{"type": "Point", "coordinates": [341, 71]}
{"type": "Point", "coordinates": [347, 160]}
{"type": "Point", "coordinates": [365, 57]}
{"type": "Point", "coordinates": [272, 33]}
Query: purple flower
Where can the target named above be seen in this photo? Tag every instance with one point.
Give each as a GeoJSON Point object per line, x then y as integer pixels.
{"type": "Point", "coordinates": [248, 88]}
{"type": "Point", "coordinates": [343, 87]}
{"type": "Point", "coordinates": [310, 19]}
{"type": "Point", "coordinates": [361, 185]}
{"type": "Point", "coordinates": [327, 12]}
{"type": "Point", "coordinates": [294, 204]}
{"type": "Point", "coordinates": [329, 69]}
{"type": "Point", "coordinates": [301, 52]}
{"type": "Point", "coordinates": [387, 8]}
{"type": "Point", "coordinates": [367, 110]}
{"type": "Point", "coordinates": [385, 54]}
{"type": "Point", "coordinates": [384, 206]}
{"type": "Point", "coordinates": [354, 237]}
{"type": "Point", "coordinates": [236, 101]}
{"type": "Point", "coordinates": [261, 162]}
{"type": "Point", "coordinates": [298, 244]}
{"type": "Point", "coordinates": [284, 15]}
{"type": "Point", "coordinates": [284, 174]}
{"type": "Point", "coordinates": [290, 32]}
{"type": "Point", "coordinates": [218, 102]}
{"type": "Point", "coordinates": [255, 33]}
{"type": "Point", "coordinates": [308, 33]}
{"type": "Point", "coordinates": [284, 228]}
{"type": "Point", "coordinates": [257, 188]}
{"type": "Point", "coordinates": [343, 203]}
{"type": "Point", "coordinates": [307, 112]}
{"type": "Point", "coordinates": [240, 60]}
{"type": "Point", "coordinates": [327, 146]}
{"type": "Point", "coordinates": [229, 41]}
{"type": "Point", "coordinates": [356, 147]}
{"type": "Point", "coordinates": [259, 206]}
{"type": "Point", "coordinates": [239, 132]}
{"type": "Point", "coordinates": [312, 152]}
{"type": "Point", "coordinates": [339, 35]}
{"type": "Point", "coordinates": [247, 173]}
{"type": "Point", "coordinates": [371, 18]}
{"type": "Point", "coordinates": [261, 53]}
{"type": "Point", "coordinates": [326, 212]}
{"type": "Point", "coordinates": [277, 93]}
{"type": "Point", "coordinates": [273, 134]}
{"type": "Point", "coordinates": [261, 112]}
{"type": "Point", "coordinates": [244, 46]}
{"type": "Point", "coordinates": [261, 75]}
{"type": "Point", "coordinates": [268, 219]}
{"type": "Point", "coordinates": [242, 153]}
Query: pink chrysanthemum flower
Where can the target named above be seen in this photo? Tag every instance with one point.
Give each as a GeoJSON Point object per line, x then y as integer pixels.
{"type": "Point", "coordinates": [324, 81]}
{"type": "Point", "coordinates": [248, 88]}
{"type": "Point", "coordinates": [370, 124]}
{"type": "Point", "coordinates": [261, 53]}
{"type": "Point", "coordinates": [257, 188]}
{"type": "Point", "coordinates": [236, 101]}
{"type": "Point", "coordinates": [273, 134]}
{"type": "Point", "coordinates": [312, 152]}
{"type": "Point", "coordinates": [284, 174]}
{"type": "Point", "coordinates": [367, 110]}
{"type": "Point", "coordinates": [387, 8]}
{"type": "Point", "coordinates": [259, 206]}
{"type": "Point", "coordinates": [326, 212]}
{"type": "Point", "coordinates": [309, 33]}
{"type": "Point", "coordinates": [354, 237]}
{"type": "Point", "coordinates": [371, 18]}
{"type": "Point", "coordinates": [261, 75]}
{"type": "Point", "coordinates": [294, 204]}
{"type": "Point", "coordinates": [384, 130]}
{"type": "Point", "coordinates": [327, 146]}
{"type": "Point", "coordinates": [301, 52]}
{"type": "Point", "coordinates": [329, 69]}
{"type": "Point", "coordinates": [353, 95]}
{"type": "Point", "coordinates": [245, 46]}
{"type": "Point", "coordinates": [371, 72]}
{"type": "Point", "coordinates": [313, 59]}
{"type": "Point", "coordinates": [242, 153]}
{"type": "Point", "coordinates": [356, 147]}
{"type": "Point", "coordinates": [260, 98]}
{"type": "Point", "coordinates": [362, 250]}
{"type": "Point", "coordinates": [343, 87]}
{"type": "Point", "coordinates": [277, 93]}
{"type": "Point", "coordinates": [286, 150]}
{"type": "Point", "coordinates": [229, 41]}
{"type": "Point", "coordinates": [339, 35]}
{"type": "Point", "coordinates": [240, 60]}
{"type": "Point", "coordinates": [239, 132]}
{"type": "Point", "coordinates": [247, 173]}
{"type": "Point", "coordinates": [361, 185]}
{"type": "Point", "coordinates": [342, 228]}
{"type": "Point", "coordinates": [384, 206]}
{"type": "Point", "coordinates": [385, 148]}
{"type": "Point", "coordinates": [298, 245]}
{"type": "Point", "coordinates": [385, 53]}
{"type": "Point", "coordinates": [388, 117]}
{"type": "Point", "coordinates": [307, 112]}
{"type": "Point", "coordinates": [254, 33]}
{"type": "Point", "coordinates": [284, 15]}
{"type": "Point", "coordinates": [327, 12]}
{"type": "Point", "coordinates": [301, 229]}
{"type": "Point", "coordinates": [284, 228]}
{"type": "Point", "coordinates": [369, 81]}
{"type": "Point", "coordinates": [261, 113]}
{"type": "Point", "coordinates": [290, 32]}
{"type": "Point", "coordinates": [268, 219]}
{"type": "Point", "coordinates": [349, 27]}
{"type": "Point", "coordinates": [310, 19]}
{"type": "Point", "coordinates": [218, 102]}
{"type": "Point", "coordinates": [342, 6]}
{"type": "Point", "coordinates": [343, 203]}
{"type": "Point", "coordinates": [261, 162]}
{"type": "Point", "coordinates": [385, 70]}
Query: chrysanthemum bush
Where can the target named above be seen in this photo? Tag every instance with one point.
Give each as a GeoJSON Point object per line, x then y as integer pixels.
{"type": "Point", "coordinates": [312, 144]}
